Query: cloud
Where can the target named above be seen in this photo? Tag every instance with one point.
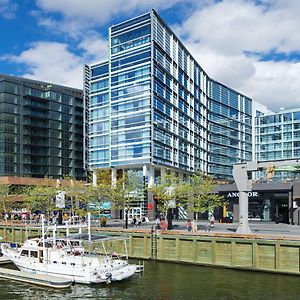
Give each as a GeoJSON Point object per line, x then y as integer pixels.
{"type": "Point", "coordinates": [8, 9]}
{"type": "Point", "coordinates": [53, 62]}
{"type": "Point", "coordinates": [74, 16]}
{"type": "Point", "coordinates": [234, 41]}
{"type": "Point", "coordinates": [95, 47]}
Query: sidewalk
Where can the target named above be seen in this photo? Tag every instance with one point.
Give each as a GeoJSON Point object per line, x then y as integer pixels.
{"type": "Point", "coordinates": [269, 228]}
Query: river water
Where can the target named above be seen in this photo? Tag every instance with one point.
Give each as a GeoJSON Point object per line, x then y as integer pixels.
{"type": "Point", "coordinates": [171, 281]}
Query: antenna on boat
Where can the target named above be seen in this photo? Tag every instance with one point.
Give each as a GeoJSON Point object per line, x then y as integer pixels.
{"type": "Point", "coordinates": [43, 236]}
{"type": "Point", "coordinates": [89, 230]}
{"type": "Point", "coordinates": [89, 226]}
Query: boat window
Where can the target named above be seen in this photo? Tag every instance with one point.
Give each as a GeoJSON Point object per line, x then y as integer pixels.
{"type": "Point", "coordinates": [72, 264]}
{"type": "Point", "coordinates": [25, 253]}
{"type": "Point", "coordinates": [55, 262]}
{"type": "Point", "coordinates": [63, 262]}
{"type": "Point", "coordinates": [34, 254]}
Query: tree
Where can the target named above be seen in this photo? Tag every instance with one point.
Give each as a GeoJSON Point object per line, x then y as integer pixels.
{"type": "Point", "coordinates": [5, 198]}
{"type": "Point", "coordinates": [126, 191]}
{"type": "Point", "coordinates": [197, 194]}
{"type": "Point", "coordinates": [41, 197]}
{"type": "Point", "coordinates": [166, 194]}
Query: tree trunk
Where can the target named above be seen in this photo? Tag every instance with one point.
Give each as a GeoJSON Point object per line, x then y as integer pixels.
{"type": "Point", "coordinates": [169, 218]}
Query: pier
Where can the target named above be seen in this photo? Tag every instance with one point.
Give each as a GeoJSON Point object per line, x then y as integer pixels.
{"type": "Point", "coordinates": [278, 253]}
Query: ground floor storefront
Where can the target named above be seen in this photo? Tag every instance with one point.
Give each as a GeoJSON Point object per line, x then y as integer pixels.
{"type": "Point", "coordinates": [277, 202]}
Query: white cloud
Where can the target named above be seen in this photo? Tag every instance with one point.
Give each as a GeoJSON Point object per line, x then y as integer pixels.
{"type": "Point", "coordinates": [8, 9]}
{"type": "Point", "coordinates": [53, 62]}
{"type": "Point", "coordinates": [95, 47]}
{"type": "Point", "coordinates": [78, 15]}
{"type": "Point", "coordinates": [221, 35]}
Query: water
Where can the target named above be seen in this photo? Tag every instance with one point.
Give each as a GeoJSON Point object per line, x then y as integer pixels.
{"type": "Point", "coordinates": [171, 281]}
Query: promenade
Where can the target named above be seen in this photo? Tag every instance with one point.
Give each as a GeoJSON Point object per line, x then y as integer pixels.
{"type": "Point", "coordinates": [258, 228]}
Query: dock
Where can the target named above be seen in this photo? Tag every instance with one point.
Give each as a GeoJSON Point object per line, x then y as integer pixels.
{"type": "Point", "coordinates": [4, 260]}
{"type": "Point", "coordinates": [37, 279]}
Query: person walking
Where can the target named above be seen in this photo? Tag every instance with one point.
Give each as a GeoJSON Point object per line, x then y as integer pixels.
{"type": "Point", "coordinates": [194, 226]}
{"type": "Point", "coordinates": [189, 225]}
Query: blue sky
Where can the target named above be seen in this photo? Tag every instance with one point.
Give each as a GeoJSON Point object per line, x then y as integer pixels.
{"type": "Point", "coordinates": [252, 46]}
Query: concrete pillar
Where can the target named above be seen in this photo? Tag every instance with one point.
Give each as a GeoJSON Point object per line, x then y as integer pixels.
{"type": "Point", "coordinates": [150, 176]}
{"type": "Point", "coordinates": [243, 227]}
{"type": "Point", "coordinates": [113, 176]}
{"type": "Point", "coordinates": [162, 173]}
{"type": "Point", "coordinates": [94, 177]}
{"type": "Point", "coordinates": [291, 221]}
{"type": "Point", "coordinates": [114, 212]}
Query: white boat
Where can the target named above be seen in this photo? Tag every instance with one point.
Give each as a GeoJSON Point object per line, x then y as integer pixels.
{"type": "Point", "coordinates": [69, 257]}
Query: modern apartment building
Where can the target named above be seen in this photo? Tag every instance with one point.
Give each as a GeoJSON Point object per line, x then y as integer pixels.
{"type": "Point", "coordinates": [41, 129]}
{"type": "Point", "coordinates": [151, 106]}
{"type": "Point", "coordinates": [277, 138]}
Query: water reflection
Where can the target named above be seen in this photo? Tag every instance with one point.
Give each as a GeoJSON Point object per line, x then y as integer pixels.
{"type": "Point", "coordinates": [171, 281]}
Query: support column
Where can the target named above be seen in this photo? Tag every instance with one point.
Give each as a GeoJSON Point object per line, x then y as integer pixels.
{"type": "Point", "coordinates": [151, 213]}
{"type": "Point", "coordinates": [113, 176]}
{"type": "Point", "coordinates": [114, 212]}
{"type": "Point", "coordinates": [243, 214]}
{"type": "Point", "coordinates": [291, 221]}
{"type": "Point", "coordinates": [162, 173]}
{"type": "Point", "coordinates": [94, 177]}
{"type": "Point", "coordinates": [150, 176]}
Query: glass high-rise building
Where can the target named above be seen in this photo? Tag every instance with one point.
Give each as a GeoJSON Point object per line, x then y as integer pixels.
{"type": "Point", "coordinates": [151, 106]}
{"type": "Point", "coordinates": [278, 138]}
{"type": "Point", "coordinates": [41, 129]}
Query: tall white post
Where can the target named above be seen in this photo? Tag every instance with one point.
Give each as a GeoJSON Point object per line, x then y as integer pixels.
{"type": "Point", "coordinates": [89, 227]}
{"type": "Point", "coordinates": [113, 176]}
{"type": "Point", "coordinates": [94, 177]}
{"type": "Point", "coordinates": [150, 176]}
{"type": "Point", "coordinates": [162, 173]}
{"type": "Point", "coordinates": [43, 236]}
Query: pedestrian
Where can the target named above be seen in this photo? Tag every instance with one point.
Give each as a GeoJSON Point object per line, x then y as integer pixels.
{"type": "Point", "coordinates": [189, 225]}
{"type": "Point", "coordinates": [157, 223]}
{"type": "Point", "coordinates": [212, 221]}
{"type": "Point", "coordinates": [134, 221]}
{"type": "Point", "coordinates": [194, 226]}
{"type": "Point", "coordinates": [163, 224]}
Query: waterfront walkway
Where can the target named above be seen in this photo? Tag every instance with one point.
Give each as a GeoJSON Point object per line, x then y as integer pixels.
{"type": "Point", "coordinates": [258, 228]}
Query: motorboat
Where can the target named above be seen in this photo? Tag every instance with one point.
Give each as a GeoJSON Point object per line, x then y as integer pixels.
{"type": "Point", "coordinates": [3, 259]}
{"type": "Point", "coordinates": [74, 256]}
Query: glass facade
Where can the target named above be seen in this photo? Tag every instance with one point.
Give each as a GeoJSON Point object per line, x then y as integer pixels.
{"type": "Point", "coordinates": [278, 138]}
{"type": "Point", "coordinates": [41, 129]}
{"type": "Point", "coordinates": [152, 103]}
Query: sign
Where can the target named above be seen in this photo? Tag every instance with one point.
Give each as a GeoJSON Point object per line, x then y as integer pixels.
{"type": "Point", "coordinates": [150, 206]}
{"type": "Point", "coordinates": [236, 194]}
{"type": "Point", "coordinates": [60, 199]}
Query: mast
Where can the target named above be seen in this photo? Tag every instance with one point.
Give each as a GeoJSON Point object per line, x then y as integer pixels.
{"type": "Point", "coordinates": [43, 237]}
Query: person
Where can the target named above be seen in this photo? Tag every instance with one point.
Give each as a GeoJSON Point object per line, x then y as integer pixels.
{"type": "Point", "coordinates": [194, 226]}
{"type": "Point", "coordinates": [157, 223]}
{"type": "Point", "coordinates": [134, 221]}
{"type": "Point", "coordinates": [212, 221]}
{"type": "Point", "coordinates": [189, 225]}
{"type": "Point", "coordinates": [163, 224]}
{"type": "Point", "coordinates": [138, 222]}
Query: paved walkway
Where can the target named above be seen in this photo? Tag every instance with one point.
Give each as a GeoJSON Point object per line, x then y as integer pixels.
{"type": "Point", "coordinates": [264, 228]}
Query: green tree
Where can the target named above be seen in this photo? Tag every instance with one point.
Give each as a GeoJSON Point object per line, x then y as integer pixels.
{"type": "Point", "coordinates": [166, 192]}
{"type": "Point", "coordinates": [197, 194]}
{"type": "Point", "coordinates": [127, 191]}
{"type": "Point", "coordinates": [5, 198]}
{"type": "Point", "coordinates": [41, 197]}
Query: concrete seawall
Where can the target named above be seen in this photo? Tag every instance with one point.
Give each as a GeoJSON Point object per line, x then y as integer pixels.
{"type": "Point", "coordinates": [251, 252]}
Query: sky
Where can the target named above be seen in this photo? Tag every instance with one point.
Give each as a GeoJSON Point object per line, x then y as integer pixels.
{"type": "Point", "coordinates": [253, 46]}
